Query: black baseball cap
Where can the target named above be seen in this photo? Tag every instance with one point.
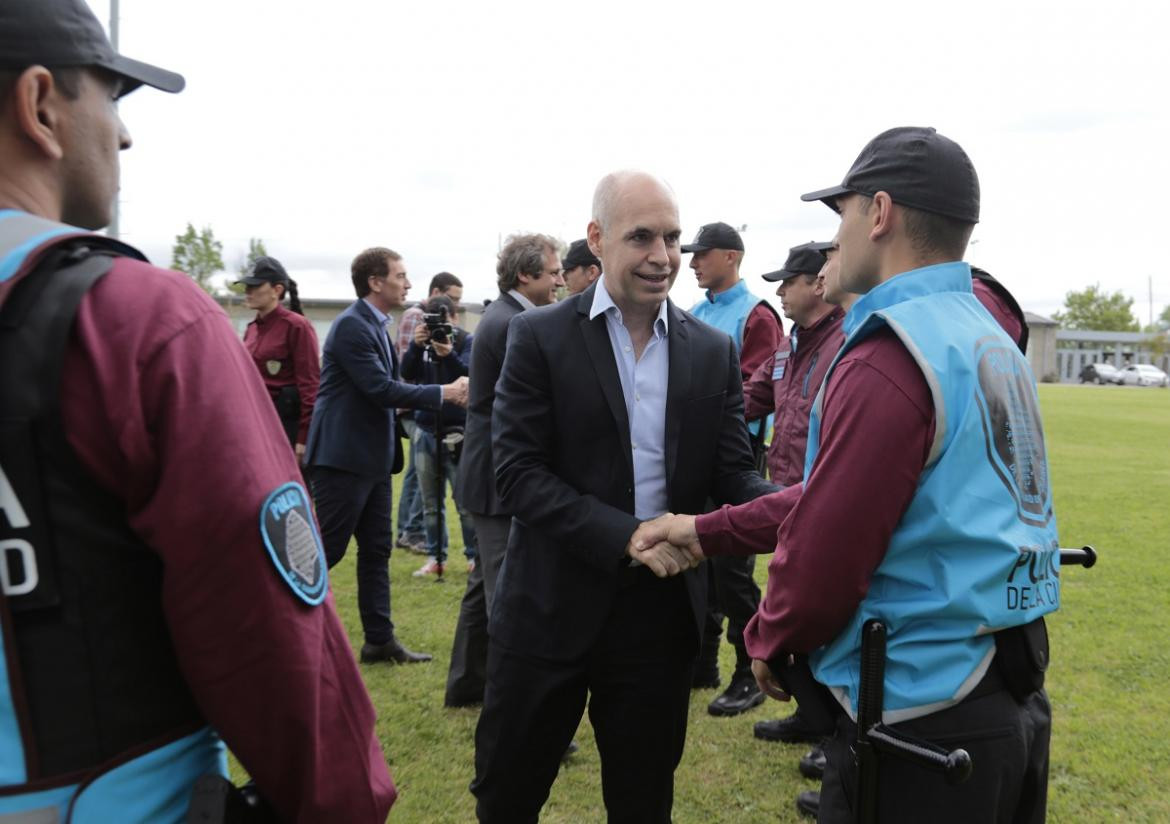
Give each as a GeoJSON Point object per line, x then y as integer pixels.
{"type": "Point", "coordinates": [65, 33]}
{"type": "Point", "coordinates": [715, 236]}
{"type": "Point", "coordinates": [265, 270]}
{"type": "Point", "coordinates": [579, 255]}
{"type": "Point", "coordinates": [805, 259]}
{"type": "Point", "coordinates": [917, 167]}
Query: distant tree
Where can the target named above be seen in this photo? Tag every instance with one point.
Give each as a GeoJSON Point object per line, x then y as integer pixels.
{"type": "Point", "coordinates": [1092, 309]}
{"type": "Point", "coordinates": [1159, 341]}
{"type": "Point", "coordinates": [255, 250]}
{"type": "Point", "coordinates": [199, 255]}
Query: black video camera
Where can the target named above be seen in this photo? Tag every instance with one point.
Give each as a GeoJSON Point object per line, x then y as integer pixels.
{"type": "Point", "coordinates": [438, 327]}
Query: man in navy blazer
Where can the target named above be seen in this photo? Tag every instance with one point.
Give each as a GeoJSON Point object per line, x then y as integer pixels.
{"type": "Point", "coordinates": [612, 407]}
{"type": "Point", "coordinates": [353, 448]}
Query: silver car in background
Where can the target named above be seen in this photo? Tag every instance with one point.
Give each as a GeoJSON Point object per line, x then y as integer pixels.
{"type": "Point", "coordinates": [1144, 374]}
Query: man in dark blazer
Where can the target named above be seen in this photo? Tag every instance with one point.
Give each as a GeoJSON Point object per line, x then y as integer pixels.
{"type": "Point", "coordinates": [353, 449]}
{"type": "Point", "coordinates": [528, 273]}
{"type": "Point", "coordinates": [612, 407]}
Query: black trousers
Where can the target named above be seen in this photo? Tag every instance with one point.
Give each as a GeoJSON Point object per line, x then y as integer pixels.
{"type": "Point", "coordinates": [350, 506]}
{"type": "Point", "coordinates": [1008, 743]}
{"type": "Point", "coordinates": [732, 592]}
{"type": "Point", "coordinates": [467, 674]}
{"type": "Point", "coordinates": [637, 679]}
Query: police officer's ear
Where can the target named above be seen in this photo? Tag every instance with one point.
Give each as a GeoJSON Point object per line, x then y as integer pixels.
{"type": "Point", "coordinates": [37, 106]}
{"type": "Point", "coordinates": [881, 216]}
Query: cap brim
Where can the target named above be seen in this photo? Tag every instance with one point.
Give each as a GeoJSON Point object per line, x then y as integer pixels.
{"type": "Point", "coordinates": [691, 248]}
{"type": "Point", "coordinates": [826, 196]}
{"type": "Point", "coordinates": [139, 74]}
{"type": "Point", "coordinates": [780, 274]}
{"type": "Point", "coordinates": [253, 281]}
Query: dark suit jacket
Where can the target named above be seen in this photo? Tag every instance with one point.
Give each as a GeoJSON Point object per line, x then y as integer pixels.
{"type": "Point", "coordinates": [565, 472]}
{"type": "Point", "coordinates": [353, 418]}
{"type": "Point", "coordinates": [477, 480]}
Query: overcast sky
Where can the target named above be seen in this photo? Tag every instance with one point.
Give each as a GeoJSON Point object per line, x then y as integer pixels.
{"type": "Point", "coordinates": [436, 128]}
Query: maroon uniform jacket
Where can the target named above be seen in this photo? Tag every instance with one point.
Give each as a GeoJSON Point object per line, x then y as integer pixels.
{"type": "Point", "coordinates": [284, 347]}
{"type": "Point", "coordinates": [786, 383]}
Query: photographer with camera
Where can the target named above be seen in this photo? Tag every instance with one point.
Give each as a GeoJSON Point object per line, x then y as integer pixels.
{"type": "Point", "coordinates": [409, 525]}
{"type": "Point", "coordinates": [440, 351]}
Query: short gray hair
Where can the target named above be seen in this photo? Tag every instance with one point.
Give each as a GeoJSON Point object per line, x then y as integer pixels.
{"type": "Point", "coordinates": [523, 255]}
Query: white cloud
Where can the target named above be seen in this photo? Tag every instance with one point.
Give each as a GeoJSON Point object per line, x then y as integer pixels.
{"type": "Point", "coordinates": [438, 128]}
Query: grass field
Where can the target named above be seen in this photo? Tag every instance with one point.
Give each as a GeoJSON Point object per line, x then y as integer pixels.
{"type": "Point", "coordinates": [1109, 449]}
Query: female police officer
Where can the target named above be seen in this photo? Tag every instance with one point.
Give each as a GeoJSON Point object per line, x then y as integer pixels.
{"type": "Point", "coordinates": [284, 346]}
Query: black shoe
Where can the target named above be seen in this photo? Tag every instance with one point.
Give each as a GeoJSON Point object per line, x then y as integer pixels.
{"type": "Point", "coordinates": [740, 696]}
{"type": "Point", "coordinates": [812, 765]}
{"type": "Point", "coordinates": [412, 543]}
{"type": "Point", "coordinates": [808, 803]}
{"type": "Point", "coordinates": [793, 729]}
{"type": "Point", "coordinates": [392, 651]}
{"type": "Point", "coordinates": [569, 750]}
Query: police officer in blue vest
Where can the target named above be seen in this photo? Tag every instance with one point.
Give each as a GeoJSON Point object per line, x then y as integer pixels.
{"type": "Point", "coordinates": [926, 504]}
{"type": "Point", "coordinates": [729, 305]}
{"type": "Point", "coordinates": [972, 563]}
{"type": "Point", "coordinates": [163, 587]}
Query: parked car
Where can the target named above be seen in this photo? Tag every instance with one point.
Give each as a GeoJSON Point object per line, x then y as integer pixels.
{"type": "Point", "coordinates": [1144, 374]}
{"type": "Point", "coordinates": [1100, 373]}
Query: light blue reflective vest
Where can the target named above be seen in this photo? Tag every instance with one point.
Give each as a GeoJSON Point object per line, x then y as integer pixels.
{"type": "Point", "coordinates": [728, 312]}
{"type": "Point", "coordinates": [976, 551]}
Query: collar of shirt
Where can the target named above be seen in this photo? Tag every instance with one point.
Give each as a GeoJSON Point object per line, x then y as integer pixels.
{"type": "Point", "coordinates": [603, 302]}
{"type": "Point", "coordinates": [523, 301]}
{"type": "Point", "coordinates": [815, 331]}
{"type": "Point", "coordinates": [385, 320]}
{"type": "Point", "coordinates": [728, 295]}
{"type": "Point", "coordinates": [927, 280]}
{"type": "Point", "coordinates": [278, 312]}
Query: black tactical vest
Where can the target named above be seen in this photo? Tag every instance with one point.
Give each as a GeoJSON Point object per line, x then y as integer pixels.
{"type": "Point", "coordinates": [90, 663]}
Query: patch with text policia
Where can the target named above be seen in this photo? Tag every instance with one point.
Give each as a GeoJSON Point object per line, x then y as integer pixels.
{"type": "Point", "coordinates": [286, 524]}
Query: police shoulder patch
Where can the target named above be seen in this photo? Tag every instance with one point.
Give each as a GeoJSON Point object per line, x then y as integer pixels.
{"type": "Point", "coordinates": [289, 534]}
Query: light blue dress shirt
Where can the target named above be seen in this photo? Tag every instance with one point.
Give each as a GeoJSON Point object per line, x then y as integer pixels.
{"type": "Point", "coordinates": [644, 381]}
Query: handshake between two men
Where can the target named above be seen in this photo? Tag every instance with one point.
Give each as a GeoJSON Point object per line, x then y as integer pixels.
{"type": "Point", "coordinates": [667, 545]}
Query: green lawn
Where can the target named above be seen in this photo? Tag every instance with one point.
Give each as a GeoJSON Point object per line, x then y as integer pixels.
{"type": "Point", "coordinates": [1110, 458]}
